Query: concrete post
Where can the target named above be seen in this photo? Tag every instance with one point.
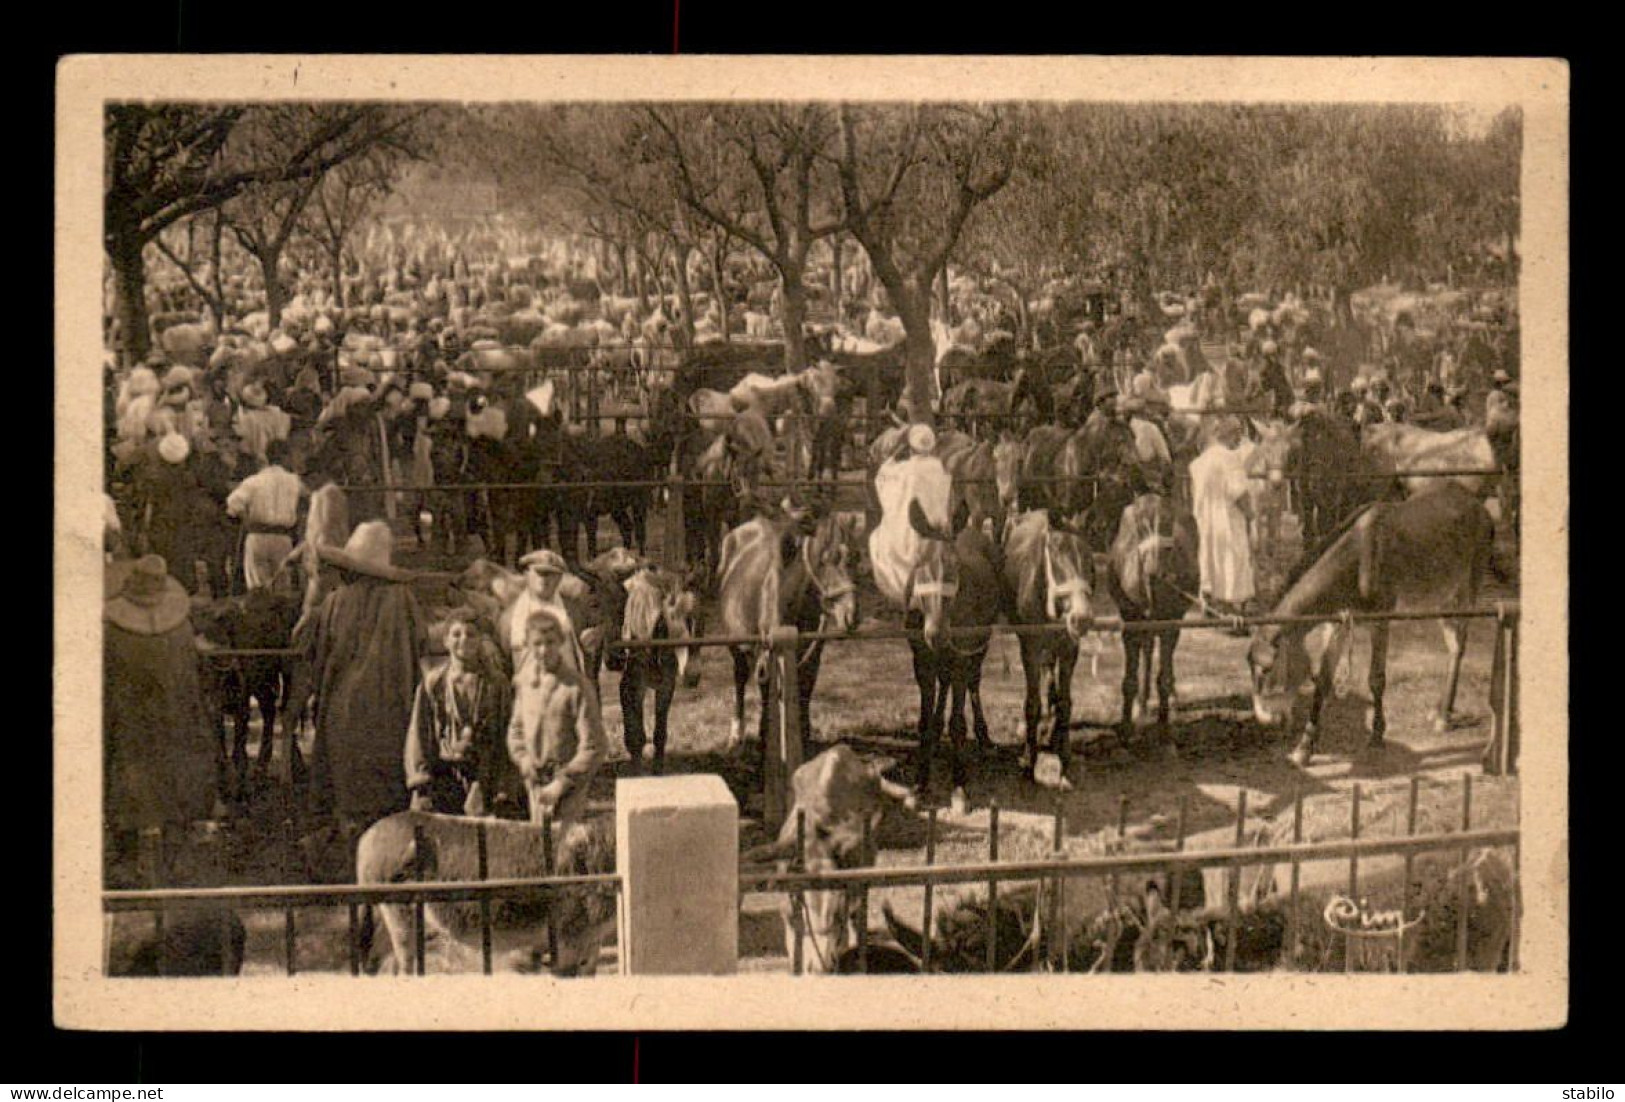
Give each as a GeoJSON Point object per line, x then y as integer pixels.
{"type": "Point", "coordinates": [677, 849]}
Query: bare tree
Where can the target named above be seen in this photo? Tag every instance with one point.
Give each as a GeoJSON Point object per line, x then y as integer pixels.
{"type": "Point", "coordinates": [343, 200]}
{"type": "Point", "coordinates": [909, 178]}
{"type": "Point", "coordinates": [762, 173]}
{"type": "Point", "coordinates": [169, 162]}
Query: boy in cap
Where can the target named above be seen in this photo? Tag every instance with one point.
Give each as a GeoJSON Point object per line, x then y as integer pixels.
{"type": "Point", "coordinates": [455, 743]}
{"type": "Point", "coordinates": [556, 735]}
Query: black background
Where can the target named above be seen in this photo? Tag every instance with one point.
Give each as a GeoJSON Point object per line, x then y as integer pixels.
{"type": "Point", "coordinates": [33, 1052]}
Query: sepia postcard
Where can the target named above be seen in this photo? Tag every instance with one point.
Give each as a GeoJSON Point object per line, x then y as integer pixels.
{"type": "Point", "coordinates": [811, 543]}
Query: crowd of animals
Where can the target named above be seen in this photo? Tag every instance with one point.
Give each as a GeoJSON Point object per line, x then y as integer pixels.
{"type": "Point", "coordinates": [443, 370]}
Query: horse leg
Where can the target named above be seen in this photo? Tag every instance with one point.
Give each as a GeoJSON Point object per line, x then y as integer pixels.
{"type": "Point", "coordinates": [925, 677]}
{"type": "Point", "coordinates": [1455, 638]}
{"type": "Point", "coordinates": [742, 672]}
{"type": "Point", "coordinates": [1062, 690]}
{"type": "Point", "coordinates": [1032, 705]}
{"type": "Point", "coordinates": [1131, 684]}
{"type": "Point", "coordinates": [665, 688]}
{"type": "Point", "coordinates": [632, 706]}
{"type": "Point", "coordinates": [978, 719]}
{"type": "Point", "coordinates": [806, 679]}
{"type": "Point", "coordinates": [1325, 677]}
{"type": "Point", "coordinates": [1378, 682]}
{"type": "Point", "coordinates": [956, 732]}
{"type": "Point", "coordinates": [1165, 683]}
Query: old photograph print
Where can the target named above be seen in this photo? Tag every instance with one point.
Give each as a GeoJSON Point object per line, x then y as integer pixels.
{"type": "Point", "coordinates": [685, 545]}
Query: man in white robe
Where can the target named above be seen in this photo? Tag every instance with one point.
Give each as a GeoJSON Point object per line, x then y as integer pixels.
{"type": "Point", "coordinates": [1219, 486]}
{"type": "Point", "coordinates": [894, 546]}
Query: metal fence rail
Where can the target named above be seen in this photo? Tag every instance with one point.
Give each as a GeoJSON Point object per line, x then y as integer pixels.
{"type": "Point", "coordinates": [1057, 870]}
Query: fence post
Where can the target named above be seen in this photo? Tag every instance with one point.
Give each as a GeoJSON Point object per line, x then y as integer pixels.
{"type": "Point", "coordinates": [783, 749]}
{"type": "Point", "coordinates": [677, 851]}
{"type": "Point", "coordinates": [676, 552]}
{"type": "Point", "coordinates": [1501, 756]}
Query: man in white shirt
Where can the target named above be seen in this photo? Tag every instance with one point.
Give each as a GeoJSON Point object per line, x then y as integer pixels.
{"type": "Point", "coordinates": [268, 504]}
{"type": "Point", "coordinates": [1219, 488]}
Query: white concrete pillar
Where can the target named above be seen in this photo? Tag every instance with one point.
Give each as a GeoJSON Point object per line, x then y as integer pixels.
{"type": "Point", "coordinates": [677, 849]}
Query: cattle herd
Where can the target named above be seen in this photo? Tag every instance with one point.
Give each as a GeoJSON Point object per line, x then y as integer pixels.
{"type": "Point", "coordinates": [486, 394]}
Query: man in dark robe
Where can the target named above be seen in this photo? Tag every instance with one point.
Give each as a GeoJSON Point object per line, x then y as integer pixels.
{"type": "Point", "coordinates": [369, 637]}
{"type": "Point", "coordinates": [160, 753]}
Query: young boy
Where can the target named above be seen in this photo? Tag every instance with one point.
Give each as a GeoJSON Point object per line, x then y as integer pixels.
{"type": "Point", "coordinates": [454, 745]}
{"type": "Point", "coordinates": [556, 736]}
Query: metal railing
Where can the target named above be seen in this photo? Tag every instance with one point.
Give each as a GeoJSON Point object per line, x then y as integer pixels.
{"type": "Point", "coordinates": [417, 893]}
{"type": "Point", "coordinates": [1056, 870]}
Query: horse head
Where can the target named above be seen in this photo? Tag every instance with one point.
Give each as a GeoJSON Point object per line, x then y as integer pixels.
{"type": "Point", "coordinates": [830, 562]}
{"type": "Point", "coordinates": [680, 612]}
{"type": "Point", "coordinates": [1008, 453]}
{"type": "Point", "coordinates": [1068, 574]}
{"type": "Point", "coordinates": [934, 579]}
{"type": "Point", "coordinates": [1279, 664]}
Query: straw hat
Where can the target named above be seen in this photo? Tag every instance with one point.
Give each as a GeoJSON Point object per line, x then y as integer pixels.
{"type": "Point", "coordinates": [173, 448]}
{"type": "Point", "coordinates": [1500, 376]}
{"type": "Point", "coordinates": [178, 377]}
{"type": "Point", "coordinates": [420, 392]}
{"type": "Point", "coordinates": [368, 552]}
{"type": "Point", "coordinates": [921, 439]}
{"type": "Point", "coordinates": [142, 598]}
{"type": "Point", "coordinates": [356, 377]}
{"type": "Point", "coordinates": [1269, 348]}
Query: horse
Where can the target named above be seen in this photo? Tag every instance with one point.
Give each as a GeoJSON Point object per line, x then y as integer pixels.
{"type": "Point", "coordinates": [787, 569]}
{"type": "Point", "coordinates": [726, 469]}
{"type": "Point", "coordinates": [659, 605]}
{"type": "Point", "coordinates": [606, 459]}
{"type": "Point", "coordinates": [957, 585]}
{"type": "Point", "coordinates": [1426, 551]}
{"type": "Point", "coordinates": [1047, 577]}
{"type": "Point", "coordinates": [518, 439]}
{"type": "Point", "coordinates": [261, 619]}
{"type": "Point", "coordinates": [1333, 476]}
{"type": "Point", "coordinates": [1153, 574]}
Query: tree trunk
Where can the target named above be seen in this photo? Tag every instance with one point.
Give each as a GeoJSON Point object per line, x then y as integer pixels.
{"type": "Point", "coordinates": [685, 298]}
{"type": "Point", "coordinates": [795, 315]}
{"type": "Point", "coordinates": [912, 301]}
{"type": "Point", "coordinates": [622, 286]}
{"type": "Point", "coordinates": [836, 288]}
{"type": "Point", "coordinates": [335, 257]}
{"type": "Point", "coordinates": [943, 300]}
{"type": "Point", "coordinates": [125, 251]}
{"type": "Point", "coordinates": [719, 292]}
{"type": "Point", "coordinates": [271, 272]}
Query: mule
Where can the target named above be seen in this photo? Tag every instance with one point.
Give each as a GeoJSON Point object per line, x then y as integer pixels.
{"type": "Point", "coordinates": [1427, 551]}
{"type": "Point", "coordinates": [957, 586]}
{"type": "Point", "coordinates": [659, 605]}
{"type": "Point", "coordinates": [784, 570]}
{"type": "Point", "coordinates": [1153, 574]}
{"type": "Point", "coordinates": [1048, 574]}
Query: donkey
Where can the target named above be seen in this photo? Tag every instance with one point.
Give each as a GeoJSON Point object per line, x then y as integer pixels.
{"type": "Point", "coordinates": [1047, 574]}
{"type": "Point", "coordinates": [1153, 575]}
{"type": "Point", "coordinates": [659, 605]}
{"type": "Point", "coordinates": [956, 584]}
{"type": "Point", "coordinates": [1429, 550]}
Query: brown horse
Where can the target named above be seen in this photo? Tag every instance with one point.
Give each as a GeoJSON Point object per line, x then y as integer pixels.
{"type": "Point", "coordinates": [787, 569]}
{"type": "Point", "coordinates": [1153, 574]}
{"type": "Point", "coordinates": [957, 586]}
{"type": "Point", "coordinates": [1047, 572]}
{"type": "Point", "coordinates": [1427, 551]}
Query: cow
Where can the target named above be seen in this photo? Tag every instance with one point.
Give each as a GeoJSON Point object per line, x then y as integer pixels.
{"type": "Point", "coordinates": [832, 795]}
{"type": "Point", "coordinates": [582, 919]}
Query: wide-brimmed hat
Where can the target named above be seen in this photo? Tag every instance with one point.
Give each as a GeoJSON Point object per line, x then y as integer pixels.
{"type": "Point", "coordinates": [1500, 376]}
{"type": "Point", "coordinates": [1269, 348]}
{"type": "Point", "coordinates": [544, 561]}
{"type": "Point", "coordinates": [367, 551]}
{"type": "Point", "coordinates": [173, 448]}
{"type": "Point", "coordinates": [1310, 354]}
{"type": "Point", "coordinates": [141, 597]}
{"type": "Point", "coordinates": [420, 392]}
{"type": "Point", "coordinates": [921, 438]}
